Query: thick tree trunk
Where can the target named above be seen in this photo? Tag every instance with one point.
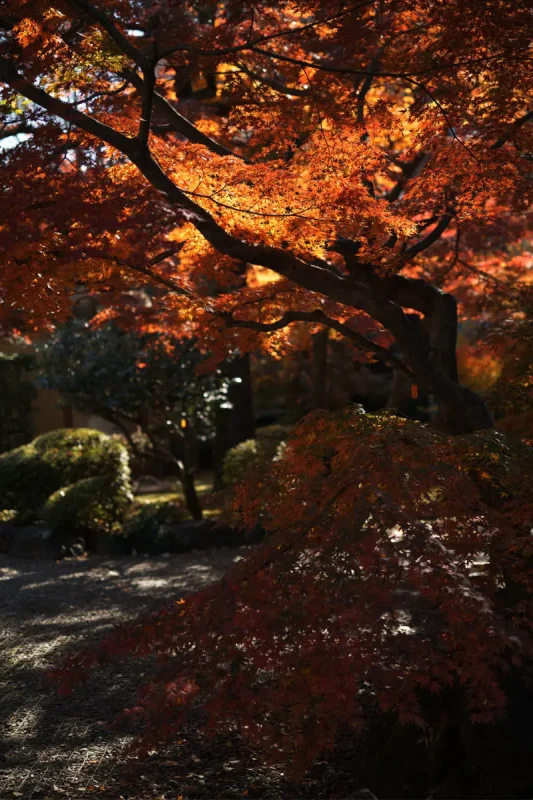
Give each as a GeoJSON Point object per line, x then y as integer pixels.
{"type": "Point", "coordinates": [240, 421]}
{"type": "Point", "coordinates": [463, 412]}
{"type": "Point", "coordinates": [319, 368]}
{"type": "Point", "coordinates": [192, 500]}
{"type": "Point", "coordinates": [235, 424]}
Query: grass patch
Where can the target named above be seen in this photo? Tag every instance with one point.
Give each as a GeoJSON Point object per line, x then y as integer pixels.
{"type": "Point", "coordinates": [204, 488]}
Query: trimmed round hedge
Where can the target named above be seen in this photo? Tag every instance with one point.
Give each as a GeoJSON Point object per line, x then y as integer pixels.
{"type": "Point", "coordinates": [91, 504]}
{"type": "Point", "coordinates": [73, 477]}
{"type": "Point", "coordinates": [254, 454]}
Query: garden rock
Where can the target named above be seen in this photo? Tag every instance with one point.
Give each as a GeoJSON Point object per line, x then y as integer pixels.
{"type": "Point", "coordinates": [186, 536]}
{"type": "Point", "coordinates": [104, 544]}
{"type": "Point", "coordinates": [7, 532]}
{"type": "Point", "coordinates": [34, 541]}
{"type": "Point", "coordinates": [203, 534]}
{"type": "Point", "coordinates": [74, 547]}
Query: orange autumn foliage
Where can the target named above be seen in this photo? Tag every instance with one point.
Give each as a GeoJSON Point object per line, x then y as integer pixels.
{"type": "Point", "coordinates": [381, 581]}
{"type": "Point", "coordinates": [361, 166]}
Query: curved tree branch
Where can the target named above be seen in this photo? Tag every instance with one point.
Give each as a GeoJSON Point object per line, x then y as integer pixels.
{"type": "Point", "coordinates": [433, 366]}
{"type": "Point", "coordinates": [319, 316]}
{"type": "Point", "coordinates": [513, 127]}
{"type": "Point", "coordinates": [179, 123]}
{"type": "Point", "coordinates": [122, 41]}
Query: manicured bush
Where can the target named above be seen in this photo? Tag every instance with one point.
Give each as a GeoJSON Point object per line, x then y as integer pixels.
{"type": "Point", "coordinates": [150, 527]}
{"type": "Point", "coordinates": [77, 453]}
{"type": "Point", "coordinates": [32, 473]}
{"type": "Point", "coordinates": [254, 454]}
{"type": "Point", "coordinates": [26, 481]}
{"type": "Point", "coordinates": [91, 504]}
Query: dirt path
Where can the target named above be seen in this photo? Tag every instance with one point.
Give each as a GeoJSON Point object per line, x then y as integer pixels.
{"type": "Point", "coordinates": [52, 747]}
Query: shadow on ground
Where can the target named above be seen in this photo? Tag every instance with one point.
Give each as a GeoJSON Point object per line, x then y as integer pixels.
{"type": "Point", "coordinates": [53, 746]}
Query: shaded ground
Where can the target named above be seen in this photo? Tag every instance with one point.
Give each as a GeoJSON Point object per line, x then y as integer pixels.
{"type": "Point", "coordinates": [53, 746]}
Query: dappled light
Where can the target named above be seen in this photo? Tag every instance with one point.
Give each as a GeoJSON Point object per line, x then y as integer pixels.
{"type": "Point", "coordinates": [266, 421]}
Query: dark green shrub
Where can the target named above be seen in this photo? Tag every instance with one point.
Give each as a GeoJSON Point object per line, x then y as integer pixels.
{"type": "Point", "coordinates": [127, 377]}
{"type": "Point", "coordinates": [30, 474]}
{"type": "Point", "coordinates": [77, 453]}
{"type": "Point", "coordinates": [150, 527]}
{"type": "Point", "coordinates": [26, 481]}
{"type": "Point", "coordinates": [90, 504]}
{"type": "Point", "coordinates": [253, 454]}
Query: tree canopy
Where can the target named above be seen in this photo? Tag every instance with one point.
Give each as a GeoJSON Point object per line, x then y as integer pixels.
{"type": "Point", "coordinates": [357, 162]}
{"type": "Point", "coordinates": [359, 166]}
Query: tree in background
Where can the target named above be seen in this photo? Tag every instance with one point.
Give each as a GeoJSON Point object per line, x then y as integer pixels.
{"type": "Point", "coordinates": [138, 381]}
{"type": "Point", "coordinates": [362, 167]}
{"type": "Point", "coordinates": [17, 392]}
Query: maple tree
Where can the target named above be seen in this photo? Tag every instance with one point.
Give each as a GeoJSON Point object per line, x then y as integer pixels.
{"type": "Point", "coordinates": [337, 167]}
{"type": "Point", "coordinates": [357, 166]}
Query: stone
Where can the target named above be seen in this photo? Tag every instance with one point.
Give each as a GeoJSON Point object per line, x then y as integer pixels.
{"type": "Point", "coordinates": [7, 532]}
{"type": "Point", "coordinates": [34, 541]}
{"type": "Point", "coordinates": [204, 534]}
{"type": "Point", "coordinates": [106, 544]}
{"type": "Point", "coordinates": [73, 547]}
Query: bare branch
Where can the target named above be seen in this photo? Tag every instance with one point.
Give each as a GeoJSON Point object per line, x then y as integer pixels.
{"type": "Point", "coordinates": [335, 68]}
{"type": "Point", "coordinates": [9, 74]}
{"type": "Point", "coordinates": [409, 170]}
{"type": "Point", "coordinates": [147, 102]}
{"type": "Point", "coordinates": [108, 93]}
{"type": "Point", "coordinates": [249, 44]}
{"type": "Point", "coordinates": [274, 84]}
{"type": "Point", "coordinates": [154, 276]}
{"type": "Point", "coordinates": [16, 128]}
{"type": "Point", "coordinates": [365, 88]}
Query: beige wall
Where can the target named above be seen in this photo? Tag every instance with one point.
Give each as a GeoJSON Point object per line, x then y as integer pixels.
{"type": "Point", "coordinates": [49, 414]}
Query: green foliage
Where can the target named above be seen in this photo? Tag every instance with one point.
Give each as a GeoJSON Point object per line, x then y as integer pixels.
{"type": "Point", "coordinates": [26, 481]}
{"type": "Point", "coordinates": [124, 376]}
{"type": "Point", "coordinates": [254, 454]}
{"type": "Point", "coordinates": [17, 392]}
{"type": "Point", "coordinates": [141, 379]}
{"type": "Point", "coordinates": [149, 525]}
{"type": "Point", "coordinates": [92, 504]}
{"type": "Point", "coordinates": [30, 474]}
